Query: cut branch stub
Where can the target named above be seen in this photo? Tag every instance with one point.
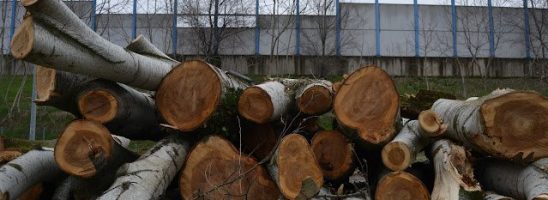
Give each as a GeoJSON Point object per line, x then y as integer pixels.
{"type": "Point", "coordinates": [431, 124]}
{"type": "Point", "coordinates": [334, 154]}
{"type": "Point", "coordinates": [216, 170]}
{"type": "Point", "coordinates": [315, 98]}
{"type": "Point", "coordinates": [295, 169]}
{"type": "Point", "coordinates": [368, 102]}
{"type": "Point", "coordinates": [194, 91]}
{"type": "Point", "coordinates": [401, 186]}
{"type": "Point", "coordinates": [82, 147]}
{"type": "Point", "coordinates": [507, 124]}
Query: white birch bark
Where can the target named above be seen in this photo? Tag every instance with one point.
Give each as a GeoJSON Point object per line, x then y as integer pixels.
{"type": "Point", "coordinates": [26, 171]}
{"type": "Point", "coordinates": [279, 98]}
{"type": "Point", "coordinates": [143, 46]}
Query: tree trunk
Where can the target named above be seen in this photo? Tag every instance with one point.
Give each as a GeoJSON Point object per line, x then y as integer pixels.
{"type": "Point", "coordinates": [150, 175]}
{"type": "Point", "coordinates": [401, 185]}
{"type": "Point", "coordinates": [215, 169]}
{"type": "Point", "coordinates": [494, 196]}
{"type": "Point", "coordinates": [401, 152]}
{"type": "Point", "coordinates": [57, 89]}
{"type": "Point", "coordinates": [55, 37]}
{"type": "Point", "coordinates": [86, 147]}
{"type": "Point", "coordinates": [142, 46]}
{"type": "Point", "coordinates": [26, 171]}
{"type": "Point", "coordinates": [334, 154]}
{"type": "Point", "coordinates": [520, 182]}
{"type": "Point", "coordinates": [122, 109]}
{"type": "Point", "coordinates": [507, 124]}
{"type": "Point", "coordinates": [454, 173]}
{"type": "Point", "coordinates": [367, 107]}
{"type": "Point", "coordinates": [265, 102]}
{"type": "Point", "coordinates": [315, 98]}
{"type": "Point", "coordinates": [295, 169]}
{"type": "Point", "coordinates": [196, 91]}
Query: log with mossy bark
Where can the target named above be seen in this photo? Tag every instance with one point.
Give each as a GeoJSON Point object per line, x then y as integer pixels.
{"type": "Point", "coordinates": [334, 153]}
{"type": "Point", "coordinates": [215, 169]}
{"type": "Point", "coordinates": [24, 172]}
{"type": "Point", "coordinates": [122, 109]}
{"type": "Point", "coordinates": [367, 107]}
{"type": "Point", "coordinates": [58, 88]}
{"type": "Point", "coordinates": [507, 124]}
{"type": "Point", "coordinates": [53, 36]}
{"type": "Point", "coordinates": [86, 148]}
{"type": "Point", "coordinates": [454, 173]}
{"type": "Point", "coordinates": [295, 169]}
{"type": "Point", "coordinates": [196, 94]}
{"type": "Point", "coordinates": [415, 135]}
{"type": "Point", "coordinates": [149, 176]}
{"type": "Point", "coordinates": [518, 181]}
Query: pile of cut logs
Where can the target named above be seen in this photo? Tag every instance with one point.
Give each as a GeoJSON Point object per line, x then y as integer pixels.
{"type": "Point", "coordinates": [219, 136]}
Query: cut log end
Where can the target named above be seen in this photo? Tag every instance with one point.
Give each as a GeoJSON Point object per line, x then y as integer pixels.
{"type": "Point", "coordinates": [397, 156]}
{"type": "Point", "coordinates": [401, 186]}
{"type": "Point", "coordinates": [299, 176]}
{"type": "Point", "coordinates": [23, 39]}
{"type": "Point", "coordinates": [201, 176]}
{"type": "Point", "coordinates": [45, 83]}
{"type": "Point", "coordinates": [431, 123]}
{"type": "Point", "coordinates": [334, 154]}
{"type": "Point", "coordinates": [193, 87]}
{"type": "Point", "coordinates": [315, 100]}
{"type": "Point", "coordinates": [98, 105]}
{"type": "Point", "coordinates": [255, 105]}
{"type": "Point", "coordinates": [541, 197]}
{"type": "Point", "coordinates": [517, 122]}
{"type": "Point", "coordinates": [28, 2]}
{"type": "Point", "coordinates": [368, 102]}
{"type": "Point", "coordinates": [80, 144]}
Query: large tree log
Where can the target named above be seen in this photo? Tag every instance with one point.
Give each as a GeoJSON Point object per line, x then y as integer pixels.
{"type": "Point", "coordinates": [334, 154]}
{"type": "Point", "coordinates": [196, 91]}
{"type": "Point", "coordinates": [412, 106]}
{"type": "Point", "coordinates": [295, 169]}
{"type": "Point", "coordinates": [507, 124]}
{"type": "Point", "coordinates": [401, 185]}
{"type": "Point", "coordinates": [57, 89]}
{"type": "Point", "coordinates": [315, 98]}
{"type": "Point", "coordinates": [86, 147]}
{"type": "Point", "coordinates": [151, 174]}
{"type": "Point", "coordinates": [142, 46]}
{"type": "Point", "coordinates": [258, 140]}
{"type": "Point", "coordinates": [454, 173]}
{"type": "Point", "coordinates": [55, 37]}
{"type": "Point", "coordinates": [367, 106]}
{"type": "Point", "coordinates": [520, 182]}
{"type": "Point", "coordinates": [216, 170]}
{"type": "Point", "coordinates": [122, 109]}
{"type": "Point", "coordinates": [401, 152]}
{"type": "Point", "coordinates": [494, 196]}
{"type": "Point", "coordinates": [26, 171]}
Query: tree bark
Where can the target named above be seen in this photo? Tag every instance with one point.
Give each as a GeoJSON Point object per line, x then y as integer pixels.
{"type": "Point", "coordinates": [294, 168]}
{"type": "Point", "coordinates": [334, 154]}
{"type": "Point", "coordinates": [142, 46]}
{"type": "Point", "coordinates": [57, 89]}
{"type": "Point", "coordinates": [241, 176]}
{"type": "Point", "coordinates": [507, 124]}
{"type": "Point", "coordinates": [196, 92]}
{"type": "Point", "coordinates": [26, 171]}
{"type": "Point", "coordinates": [122, 109]}
{"type": "Point", "coordinates": [415, 135]}
{"type": "Point", "coordinates": [509, 179]}
{"type": "Point", "coordinates": [401, 185]}
{"type": "Point", "coordinates": [86, 147]}
{"type": "Point", "coordinates": [412, 106]}
{"type": "Point", "coordinates": [315, 98]}
{"type": "Point", "coordinates": [150, 175]}
{"type": "Point", "coordinates": [494, 196]}
{"type": "Point", "coordinates": [367, 107]}
{"type": "Point", "coordinates": [265, 102]}
{"type": "Point", "coordinates": [53, 36]}
{"type": "Point", "coordinates": [454, 173]}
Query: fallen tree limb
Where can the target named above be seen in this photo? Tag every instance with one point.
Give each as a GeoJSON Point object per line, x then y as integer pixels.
{"type": "Point", "coordinates": [151, 174]}
{"type": "Point", "coordinates": [507, 124]}
{"type": "Point", "coordinates": [241, 176]}
{"type": "Point", "coordinates": [520, 182]}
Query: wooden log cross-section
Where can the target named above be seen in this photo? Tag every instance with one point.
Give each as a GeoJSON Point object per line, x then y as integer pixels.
{"type": "Point", "coordinates": [367, 106]}
{"type": "Point", "coordinates": [54, 36]}
{"type": "Point", "coordinates": [295, 169]}
{"type": "Point", "coordinates": [507, 124]}
{"type": "Point", "coordinates": [401, 185]}
{"type": "Point", "coordinates": [401, 152]}
{"type": "Point", "coordinates": [334, 154]}
{"type": "Point", "coordinates": [215, 169]}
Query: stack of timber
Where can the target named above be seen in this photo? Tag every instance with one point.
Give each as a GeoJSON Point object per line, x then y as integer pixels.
{"type": "Point", "coordinates": [218, 136]}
